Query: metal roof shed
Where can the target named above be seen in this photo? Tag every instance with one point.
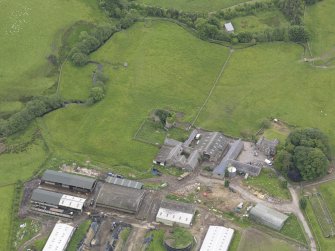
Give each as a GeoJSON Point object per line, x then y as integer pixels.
{"type": "Point", "coordinates": [71, 180]}
{"type": "Point", "coordinates": [47, 197]}
{"type": "Point", "coordinates": [229, 27]}
{"type": "Point", "coordinates": [59, 237]}
{"type": "Point", "coordinates": [124, 182]}
{"type": "Point", "coordinates": [268, 216]}
{"type": "Point", "coordinates": [218, 238]}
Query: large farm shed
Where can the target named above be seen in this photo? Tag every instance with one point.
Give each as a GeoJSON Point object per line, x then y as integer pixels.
{"type": "Point", "coordinates": [67, 180]}
{"type": "Point", "coordinates": [268, 217]}
{"type": "Point", "coordinates": [120, 198]}
{"type": "Point", "coordinates": [52, 199]}
{"type": "Point", "coordinates": [218, 238]}
{"type": "Point", "coordinates": [124, 182]}
{"type": "Point", "coordinates": [268, 147]}
{"type": "Point", "coordinates": [59, 237]}
{"type": "Point", "coordinates": [171, 213]}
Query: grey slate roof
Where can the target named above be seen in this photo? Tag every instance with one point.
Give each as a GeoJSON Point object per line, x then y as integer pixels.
{"type": "Point", "coordinates": [68, 179]}
{"type": "Point", "coordinates": [268, 216]}
{"type": "Point", "coordinates": [120, 198]}
{"type": "Point", "coordinates": [124, 182]}
{"type": "Point", "coordinates": [48, 197]}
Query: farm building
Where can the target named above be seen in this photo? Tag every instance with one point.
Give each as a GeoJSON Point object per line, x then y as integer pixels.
{"type": "Point", "coordinates": [218, 238]}
{"type": "Point", "coordinates": [208, 146]}
{"type": "Point", "coordinates": [67, 180]}
{"type": "Point", "coordinates": [229, 27]}
{"type": "Point", "coordinates": [120, 198]}
{"type": "Point", "coordinates": [268, 147]}
{"type": "Point", "coordinates": [59, 237]}
{"type": "Point", "coordinates": [124, 182]}
{"type": "Point", "coordinates": [171, 213]}
{"type": "Point", "coordinates": [268, 217]}
{"type": "Point", "coordinates": [50, 201]}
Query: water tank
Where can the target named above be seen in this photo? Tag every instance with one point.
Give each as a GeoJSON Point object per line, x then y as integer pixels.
{"type": "Point", "coordinates": [232, 171]}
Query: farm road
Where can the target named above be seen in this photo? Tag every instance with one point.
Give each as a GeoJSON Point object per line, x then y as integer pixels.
{"type": "Point", "coordinates": [292, 206]}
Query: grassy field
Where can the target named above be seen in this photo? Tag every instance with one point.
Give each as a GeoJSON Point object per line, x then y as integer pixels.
{"type": "Point", "coordinates": [268, 183]}
{"type": "Point", "coordinates": [280, 85]}
{"type": "Point", "coordinates": [325, 244]}
{"type": "Point", "coordinates": [193, 5]}
{"type": "Point", "coordinates": [157, 242]}
{"type": "Point", "coordinates": [254, 240]}
{"type": "Point", "coordinates": [156, 62]}
{"type": "Point", "coordinates": [6, 198]}
{"type": "Point", "coordinates": [260, 21]}
{"type": "Point", "coordinates": [236, 241]}
{"type": "Point", "coordinates": [328, 191]}
{"type": "Point", "coordinates": [293, 229]}
{"type": "Point", "coordinates": [30, 31]}
{"type": "Point", "coordinates": [78, 235]}
{"type": "Point", "coordinates": [320, 22]}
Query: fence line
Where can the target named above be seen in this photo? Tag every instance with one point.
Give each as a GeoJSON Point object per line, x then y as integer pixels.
{"type": "Point", "coordinates": [212, 89]}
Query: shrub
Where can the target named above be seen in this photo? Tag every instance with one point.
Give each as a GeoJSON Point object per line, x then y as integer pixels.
{"type": "Point", "coordinates": [303, 203]}
{"type": "Point", "coordinates": [298, 34]}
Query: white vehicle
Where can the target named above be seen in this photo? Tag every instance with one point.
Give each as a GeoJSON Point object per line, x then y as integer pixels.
{"type": "Point", "coordinates": [268, 162]}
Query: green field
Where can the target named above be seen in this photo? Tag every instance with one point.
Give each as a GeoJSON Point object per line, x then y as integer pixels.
{"type": "Point", "coordinates": [157, 242]}
{"type": "Point", "coordinates": [156, 62]}
{"type": "Point", "coordinates": [320, 22]}
{"type": "Point", "coordinates": [268, 183]}
{"type": "Point", "coordinates": [260, 21]}
{"type": "Point", "coordinates": [6, 197]}
{"type": "Point", "coordinates": [78, 235]}
{"type": "Point", "coordinates": [193, 5]}
{"type": "Point", "coordinates": [328, 191]}
{"type": "Point", "coordinates": [254, 240]}
{"type": "Point", "coordinates": [325, 244]}
{"type": "Point", "coordinates": [292, 229]}
{"type": "Point", "coordinates": [279, 85]}
{"type": "Point", "coordinates": [30, 31]}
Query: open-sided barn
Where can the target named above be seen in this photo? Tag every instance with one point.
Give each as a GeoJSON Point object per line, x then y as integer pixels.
{"type": "Point", "coordinates": [71, 181]}
{"type": "Point", "coordinates": [120, 198]}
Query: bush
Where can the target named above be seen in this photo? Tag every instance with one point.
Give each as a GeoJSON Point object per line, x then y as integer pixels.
{"type": "Point", "coordinates": [226, 183]}
{"type": "Point", "coordinates": [96, 94]}
{"type": "Point", "coordinates": [79, 59]}
{"type": "Point", "coordinates": [303, 203]}
{"type": "Point", "coordinates": [298, 34]}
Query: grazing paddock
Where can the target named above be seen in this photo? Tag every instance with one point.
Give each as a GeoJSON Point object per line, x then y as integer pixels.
{"type": "Point", "coordinates": [319, 19]}
{"type": "Point", "coordinates": [328, 190]}
{"type": "Point", "coordinates": [322, 214]}
{"type": "Point", "coordinates": [6, 198]}
{"type": "Point", "coordinates": [255, 240]}
{"type": "Point", "coordinates": [280, 85]}
{"type": "Point", "coordinates": [163, 71]}
{"type": "Point", "coordinates": [30, 31]}
{"type": "Point", "coordinates": [193, 5]}
{"type": "Point", "coordinates": [260, 21]}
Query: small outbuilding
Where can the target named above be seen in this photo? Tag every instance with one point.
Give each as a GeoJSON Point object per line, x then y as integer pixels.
{"type": "Point", "coordinates": [120, 198]}
{"type": "Point", "coordinates": [124, 182]}
{"type": "Point", "coordinates": [218, 238]}
{"type": "Point", "coordinates": [268, 216]}
{"type": "Point", "coordinates": [178, 213]}
{"type": "Point", "coordinates": [229, 27]}
{"type": "Point", "coordinates": [268, 147]}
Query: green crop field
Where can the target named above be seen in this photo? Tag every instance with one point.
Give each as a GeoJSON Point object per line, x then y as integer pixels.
{"type": "Point", "coordinates": [270, 80]}
{"type": "Point", "coordinates": [156, 61]}
{"type": "Point", "coordinates": [30, 31]}
{"type": "Point", "coordinates": [254, 240]}
{"type": "Point", "coordinates": [320, 21]}
{"type": "Point", "coordinates": [193, 5]}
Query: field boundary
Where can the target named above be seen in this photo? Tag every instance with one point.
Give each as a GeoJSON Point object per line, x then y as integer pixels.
{"type": "Point", "coordinates": [212, 89]}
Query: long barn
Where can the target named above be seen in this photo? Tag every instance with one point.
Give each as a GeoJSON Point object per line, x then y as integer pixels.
{"type": "Point", "coordinates": [66, 180]}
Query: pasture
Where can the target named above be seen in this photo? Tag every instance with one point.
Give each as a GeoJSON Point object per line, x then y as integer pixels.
{"type": "Point", "coordinates": [30, 31]}
{"type": "Point", "coordinates": [193, 5]}
{"type": "Point", "coordinates": [254, 240]}
{"type": "Point", "coordinates": [271, 80]}
{"type": "Point", "coordinates": [260, 21]}
{"type": "Point", "coordinates": [174, 72]}
{"type": "Point", "coordinates": [320, 22]}
{"type": "Point", "coordinates": [6, 198]}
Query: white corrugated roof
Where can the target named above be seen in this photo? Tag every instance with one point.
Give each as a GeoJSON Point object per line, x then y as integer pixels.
{"type": "Point", "coordinates": [174, 216]}
{"type": "Point", "coordinates": [217, 238]}
{"type": "Point", "coordinates": [72, 202]}
{"type": "Point", "coordinates": [229, 26]}
{"type": "Point", "coordinates": [59, 237]}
